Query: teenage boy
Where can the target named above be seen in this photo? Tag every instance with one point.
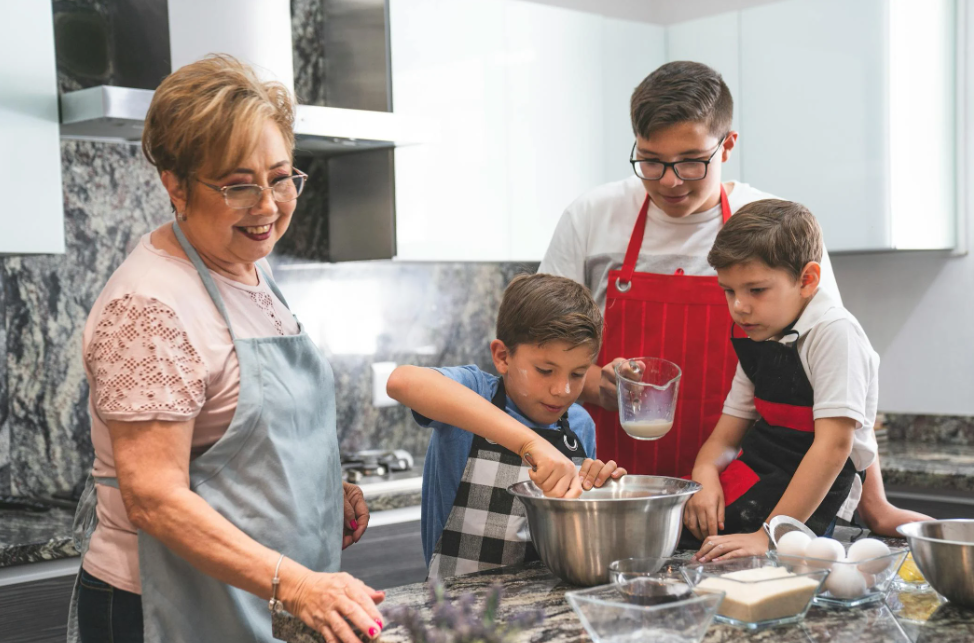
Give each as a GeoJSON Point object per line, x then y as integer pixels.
{"type": "Point", "coordinates": [487, 429]}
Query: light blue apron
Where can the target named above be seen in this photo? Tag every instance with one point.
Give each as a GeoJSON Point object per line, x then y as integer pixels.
{"type": "Point", "coordinates": [275, 474]}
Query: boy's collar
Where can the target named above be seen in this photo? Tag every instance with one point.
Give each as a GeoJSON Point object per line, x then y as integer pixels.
{"type": "Point", "coordinates": [820, 303]}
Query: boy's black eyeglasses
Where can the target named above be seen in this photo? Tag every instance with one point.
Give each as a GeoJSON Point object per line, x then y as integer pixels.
{"type": "Point", "coordinates": [684, 170]}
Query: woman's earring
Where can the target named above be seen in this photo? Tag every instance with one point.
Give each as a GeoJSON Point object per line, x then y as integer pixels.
{"type": "Point", "coordinates": [181, 216]}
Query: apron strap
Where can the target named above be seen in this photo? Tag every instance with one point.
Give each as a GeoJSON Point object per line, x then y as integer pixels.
{"type": "Point", "coordinates": [639, 231]}
{"type": "Point", "coordinates": [204, 273]}
{"type": "Point", "coordinates": [725, 211]}
{"type": "Point", "coordinates": [272, 286]}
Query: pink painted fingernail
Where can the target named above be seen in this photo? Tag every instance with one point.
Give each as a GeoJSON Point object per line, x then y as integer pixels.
{"type": "Point", "coordinates": [353, 524]}
{"type": "Point", "coordinates": [378, 622]}
{"type": "Point", "coordinates": [372, 632]}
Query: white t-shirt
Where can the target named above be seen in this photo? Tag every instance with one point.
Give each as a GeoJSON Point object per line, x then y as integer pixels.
{"type": "Point", "coordinates": [592, 236]}
{"type": "Point", "coordinates": [843, 370]}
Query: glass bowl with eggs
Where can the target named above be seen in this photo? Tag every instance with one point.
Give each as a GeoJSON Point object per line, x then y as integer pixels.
{"type": "Point", "coordinates": [860, 572]}
{"type": "Point", "coordinates": [760, 592]}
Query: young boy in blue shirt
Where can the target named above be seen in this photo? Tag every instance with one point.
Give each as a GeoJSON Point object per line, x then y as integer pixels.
{"type": "Point", "coordinates": [488, 429]}
{"type": "Point", "coordinates": [797, 425]}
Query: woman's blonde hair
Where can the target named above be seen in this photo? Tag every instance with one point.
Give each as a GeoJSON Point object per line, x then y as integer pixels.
{"type": "Point", "coordinates": [209, 114]}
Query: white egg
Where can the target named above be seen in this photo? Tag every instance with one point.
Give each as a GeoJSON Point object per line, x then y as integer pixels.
{"type": "Point", "coordinates": [793, 544]}
{"type": "Point", "coordinates": [870, 548]}
{"type": "Point", "coordinates": [845, 581]}
{"type": "Point", "coordinates": [869, 579]}
{"type": "Point", "coordinates": [826, 550]}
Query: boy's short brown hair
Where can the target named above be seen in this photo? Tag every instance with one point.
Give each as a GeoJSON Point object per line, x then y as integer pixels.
{"type": "Point", "coordinates": [537, 309]}
{"type": "Point", "coordinates": [781, 234]}
{"type": "Point", "coordinates": [679, 92]}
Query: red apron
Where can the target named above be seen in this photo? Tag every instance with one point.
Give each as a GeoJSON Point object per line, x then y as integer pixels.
{"type": "Point", "coordinates": [680, 318]}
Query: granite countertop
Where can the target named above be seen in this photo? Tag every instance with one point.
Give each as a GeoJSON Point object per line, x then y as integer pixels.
{"type": "Point", "coordinates": [28, 537]}
{"type": "Point", "coordinates": [932, 466]}
{"type": "Point", "coordinates": [907, 617]}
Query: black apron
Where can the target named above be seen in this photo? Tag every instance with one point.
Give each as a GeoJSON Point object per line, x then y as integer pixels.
{"type": "Point", "coordinates": [487, 526]}
{"type": "Point", "coordinates": [775, 445]}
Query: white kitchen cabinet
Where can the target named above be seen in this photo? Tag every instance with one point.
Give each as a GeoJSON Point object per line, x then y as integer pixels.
{"type": "Point", "coordinates": [554, 109]}
{"type": "Point", "coordinates": [846, 105]}
{"type": "Point", "coordinates": [715, 41]}
{"type": "Point", "coordinates": [526, 108]}
{"type": "Point", "coordinates": [842, 106]}
{"type": "Point", "coordinates": [814, 109]}
{"type": "Point", "coordinates": [448, 69]}
{"type": "Point", "coordinates": [30, 148]}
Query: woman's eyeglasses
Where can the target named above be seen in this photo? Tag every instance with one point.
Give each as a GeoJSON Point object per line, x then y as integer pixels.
{"type": "Point", "coordinates": [246, 196]}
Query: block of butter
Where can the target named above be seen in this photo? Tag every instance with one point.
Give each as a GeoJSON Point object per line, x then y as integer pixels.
{"type": "Point", "coordinates": [762, 594]}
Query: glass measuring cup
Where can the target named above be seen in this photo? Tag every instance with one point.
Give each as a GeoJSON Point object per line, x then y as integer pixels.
{"type": "Point", "coordinates": [647, 389]}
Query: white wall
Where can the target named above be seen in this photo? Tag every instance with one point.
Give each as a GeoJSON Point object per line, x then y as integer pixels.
{"type": "Point", "coordinates": [918, 308]}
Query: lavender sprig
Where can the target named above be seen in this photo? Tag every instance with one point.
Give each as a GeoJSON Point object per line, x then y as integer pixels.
{"type": "Point", "coordinates": [461, 621]}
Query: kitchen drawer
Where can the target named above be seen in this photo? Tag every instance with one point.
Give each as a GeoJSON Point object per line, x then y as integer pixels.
{"type": "Point", "coordinates": [388, 555]}
{"type": "Point", "coordinates": [938, 503]}
{"type": "Point", "coordinates": [36, 611]}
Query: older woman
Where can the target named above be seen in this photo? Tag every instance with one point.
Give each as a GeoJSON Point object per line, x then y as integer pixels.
{"type": "Point", "coordinates": [217, 473]}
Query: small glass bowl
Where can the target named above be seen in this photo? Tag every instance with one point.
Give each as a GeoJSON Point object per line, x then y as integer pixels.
{"type": "Point", "coordinates": [749, 603]}
{"type": "Point", "coordinates": [851, 583]}
{"type": "Point", "coordinates": [612, 614]}
{"type": "Point", "coordinates": [627, 569]}
{"type": "Point", "coordinates": [909, 578]}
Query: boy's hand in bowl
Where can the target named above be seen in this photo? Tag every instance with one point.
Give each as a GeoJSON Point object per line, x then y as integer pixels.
{"type": "Point", "coordinates": [595, 473]}
{"type": "Point", "coordinates": [551, 471]}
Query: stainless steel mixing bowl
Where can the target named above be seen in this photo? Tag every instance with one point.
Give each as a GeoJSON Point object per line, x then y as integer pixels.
{"type": "Point", "coordinates": [944, 552]}
{"type": "Point", "coordinates": [633, 517]}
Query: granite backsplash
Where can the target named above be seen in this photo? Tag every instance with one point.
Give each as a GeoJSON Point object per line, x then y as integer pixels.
{"type": "Point", "coordinates": [359, 313]}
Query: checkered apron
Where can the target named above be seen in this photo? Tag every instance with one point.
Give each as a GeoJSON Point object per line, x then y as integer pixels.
{"type": "Point", "coordinates": [487, 527]}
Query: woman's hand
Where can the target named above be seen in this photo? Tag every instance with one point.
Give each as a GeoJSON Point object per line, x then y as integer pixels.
{"type": "Point", "coordinates": [332, 604]}
{"type": "Point", "coordinates": [717, 548]}
{"type": "Point", "coordinates": [356, 514]}
{"type": "Point", "coordinates": [554, 474]}
{"type": "Point", "coordinates": [594, 473]}
{"type": "Point", "coordinates": [704, 513]}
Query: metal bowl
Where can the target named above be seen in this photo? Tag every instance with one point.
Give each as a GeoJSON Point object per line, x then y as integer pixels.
{"type": "Point", "coordinates": [944, 552]}
{"type": "Point", "coordinates": [633, 517]}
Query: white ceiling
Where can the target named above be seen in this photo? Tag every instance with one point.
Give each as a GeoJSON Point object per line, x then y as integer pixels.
{"type": "Point", "coordinates": [663, 12]}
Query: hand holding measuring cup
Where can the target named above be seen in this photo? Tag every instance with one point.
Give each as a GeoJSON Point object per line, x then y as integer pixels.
{"type": "Point", "coordinates": [647, 389]}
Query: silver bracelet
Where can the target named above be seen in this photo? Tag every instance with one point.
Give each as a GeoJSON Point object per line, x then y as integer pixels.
{"type": "Point", "coordinates": [274, 604]}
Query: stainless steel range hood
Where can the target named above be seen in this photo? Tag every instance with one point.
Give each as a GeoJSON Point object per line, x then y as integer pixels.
{"type": "Point", "coordinates": [116, 114]}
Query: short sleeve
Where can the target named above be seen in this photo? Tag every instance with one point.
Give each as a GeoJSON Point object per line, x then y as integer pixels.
{"type": "Point", "coordinates": [740, 399]}
{"type": "Point", "coordinates": [840, 365]}
{"type": "Point", "coordinates": [143, 365]}
{"type": "Point", "coordinates": [469, 376]}
{"type": "Point", "coordinates": [565, 256]}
